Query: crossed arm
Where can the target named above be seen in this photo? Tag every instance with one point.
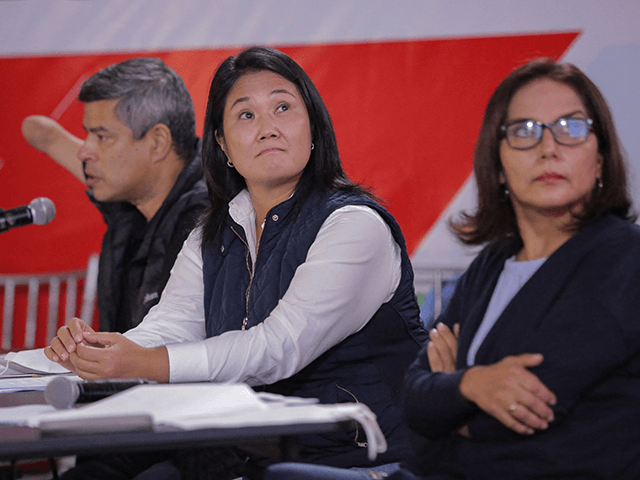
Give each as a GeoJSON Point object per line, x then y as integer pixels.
{"type": "Point", "coordinates": [506, 390]}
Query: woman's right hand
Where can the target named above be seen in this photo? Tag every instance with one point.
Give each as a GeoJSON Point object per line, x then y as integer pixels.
{"type": "Point", "coordinates": [442, 349]}
{"type": "Point", "coordinates": [508, 391]}
{"type": "Point", "coordinates": [65, 343]}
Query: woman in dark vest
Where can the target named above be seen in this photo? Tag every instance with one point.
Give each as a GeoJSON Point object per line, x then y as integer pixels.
{"type": "Point", "coordinates": [297, 282]}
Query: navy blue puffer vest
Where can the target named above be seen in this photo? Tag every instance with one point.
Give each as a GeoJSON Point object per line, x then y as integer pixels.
{"type": "Point", "coordinates": [367, 366]}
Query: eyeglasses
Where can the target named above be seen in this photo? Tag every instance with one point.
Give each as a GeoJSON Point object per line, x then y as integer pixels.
{"type": "Point", "coordinates": [526, 134]}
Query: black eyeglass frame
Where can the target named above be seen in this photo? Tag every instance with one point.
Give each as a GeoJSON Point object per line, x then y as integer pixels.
{"type": "Point", "coordinates": [548, 126]}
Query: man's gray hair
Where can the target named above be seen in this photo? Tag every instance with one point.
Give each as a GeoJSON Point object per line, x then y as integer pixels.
{"type": "Point", "coordinates": [150, 93]}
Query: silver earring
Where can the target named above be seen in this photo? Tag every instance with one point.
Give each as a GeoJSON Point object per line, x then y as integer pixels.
{"type": "Point", "coordinates": [600, 185]}
{"type": "Point", "coordinates": [312, 146]}
{"type": "Point", "coordinates": [506, 191]}
{"type": "Point", "coordinates": [229, 164]}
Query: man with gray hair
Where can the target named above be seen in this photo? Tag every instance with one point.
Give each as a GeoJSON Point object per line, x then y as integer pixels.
{"type": "Point", "coordinates": [141, 163]}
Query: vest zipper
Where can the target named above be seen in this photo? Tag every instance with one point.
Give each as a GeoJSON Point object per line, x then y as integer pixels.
{"type": "Point", "coordinates": [251, 270]}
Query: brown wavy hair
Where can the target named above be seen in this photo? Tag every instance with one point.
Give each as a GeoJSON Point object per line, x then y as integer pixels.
{"type": "Point", "coordinates": [495, 220]}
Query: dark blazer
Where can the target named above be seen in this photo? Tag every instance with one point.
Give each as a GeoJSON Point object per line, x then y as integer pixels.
{"type": "Point", "coordinates": [581, 310]}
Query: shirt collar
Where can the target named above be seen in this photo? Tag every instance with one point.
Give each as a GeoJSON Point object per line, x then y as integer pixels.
{"type": "Point", "coordinates": [241, 211]}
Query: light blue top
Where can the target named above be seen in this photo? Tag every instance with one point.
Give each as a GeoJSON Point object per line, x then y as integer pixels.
{"type": "Point", "coordinates": [514, 275]}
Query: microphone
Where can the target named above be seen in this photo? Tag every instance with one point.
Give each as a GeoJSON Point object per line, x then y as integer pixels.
{"type": "Point", "coordinates": [63, 392]}
{"type": "Point", "coordinates": [40, 211]}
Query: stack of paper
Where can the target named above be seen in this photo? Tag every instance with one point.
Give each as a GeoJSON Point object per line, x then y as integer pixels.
{"type": "Point", "coordinates": [27, 370]}
{"type": "Point", "coordinates": [205, 405]}
{"type": "Point", "coordinates": [166, 404]}
{"type": "Point", "coordinates": [186, 406]}
{"type": "Point", "coordinates": [30, 362]}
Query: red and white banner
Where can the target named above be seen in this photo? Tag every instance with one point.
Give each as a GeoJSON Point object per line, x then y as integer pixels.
{"type": "Point", "coordinates": [406, 83]}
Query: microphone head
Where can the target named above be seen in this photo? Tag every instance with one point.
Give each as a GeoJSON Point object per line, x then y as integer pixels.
{"type": "Point", "coordinates": [61, 392]}
{"type": "Point", "coordinates": [43, 210]}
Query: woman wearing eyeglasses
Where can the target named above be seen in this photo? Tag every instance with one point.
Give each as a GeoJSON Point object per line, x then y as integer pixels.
{"type": "Point", "coordinates": [534, 370]}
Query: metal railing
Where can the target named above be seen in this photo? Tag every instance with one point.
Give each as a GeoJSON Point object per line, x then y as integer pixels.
{"type": "Point", "coordinates": [55, 282]}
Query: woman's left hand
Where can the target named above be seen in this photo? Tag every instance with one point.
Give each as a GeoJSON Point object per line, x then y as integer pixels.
{"type": "Point", "coordinates": [442, 349]}
{"type": "Point", "coordinates": [115, 356]}
{"type": "Point", "coordinates": [508, 391]}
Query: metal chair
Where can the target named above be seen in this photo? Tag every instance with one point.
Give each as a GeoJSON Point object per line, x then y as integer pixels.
{"type": "Point", "coordinates": [431, 278]}
{"type": "Point", "coordinates": [54, 281]}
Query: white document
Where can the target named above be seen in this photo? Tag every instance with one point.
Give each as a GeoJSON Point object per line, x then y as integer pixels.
{"type": "Point", "coordinates": [168, 404]}
{"type": "Point", "coordinates": [29, 362]}
{"type": "Point", "coordinates": [291, 413]}
{"type": "Point", "coordinates": [25, 383]}
{"type": "Point", "coordinates": [194, 406]}
{"type": "Point", "coordinates": [27, 370]}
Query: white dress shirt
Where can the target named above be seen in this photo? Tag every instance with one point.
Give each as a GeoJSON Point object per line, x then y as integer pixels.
{"type": "Point", "coordinates": [351, 269]}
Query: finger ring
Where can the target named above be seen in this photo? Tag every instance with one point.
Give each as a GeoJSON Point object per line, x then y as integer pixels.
{"type": "Point", "coordinates": [512, 407]}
